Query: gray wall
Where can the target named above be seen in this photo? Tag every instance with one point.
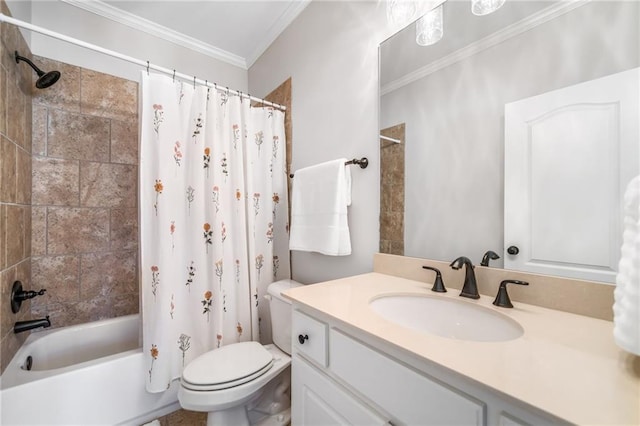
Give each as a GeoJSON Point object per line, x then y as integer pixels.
{"type": "Point", "coordinates": [331, 53]}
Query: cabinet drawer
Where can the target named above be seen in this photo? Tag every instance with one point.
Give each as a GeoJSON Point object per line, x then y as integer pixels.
{"type": "Point", "coordinates": [319, 401]}
{"type": "Point", "coordinates": [309, 337]}
{"type": "Point", "coordinates": [412, 397]}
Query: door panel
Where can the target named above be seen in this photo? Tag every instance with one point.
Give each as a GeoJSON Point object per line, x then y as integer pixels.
{"type": "Point", "coordinates": [569, 155]}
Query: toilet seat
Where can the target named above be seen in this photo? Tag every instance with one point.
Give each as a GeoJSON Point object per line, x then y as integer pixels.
{"type": "Point", "coordinates": [227, 367]}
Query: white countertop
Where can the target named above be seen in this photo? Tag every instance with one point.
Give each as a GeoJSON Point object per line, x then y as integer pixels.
{"type": "Point", "coordinates": [565, 364]}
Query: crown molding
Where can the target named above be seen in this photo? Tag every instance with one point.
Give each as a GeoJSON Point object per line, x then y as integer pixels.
{"type": "Point", "coordinates": [141, 24]}
{"type": "Point", "coordinates": [498, 37]}
{"type": "Point", "coordinates": [293, 10]}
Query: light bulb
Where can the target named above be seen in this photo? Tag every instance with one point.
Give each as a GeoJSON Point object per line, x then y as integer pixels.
{"type": "Point", "coordinates": [485, 7]}
{"type": "Point", "coordinates": [429, 28]}
{"type": "Point", "coordinates": [401, 12]}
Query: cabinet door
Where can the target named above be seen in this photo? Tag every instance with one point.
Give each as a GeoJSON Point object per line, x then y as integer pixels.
{"type": "Point", "coordinates": [569, 155]}
{"type": "Point", "coordinates": [505, 419]}
{"type": "Point", "coordinates": [410, 397]}
{"type": "Point", "coordinates": [316, 400]}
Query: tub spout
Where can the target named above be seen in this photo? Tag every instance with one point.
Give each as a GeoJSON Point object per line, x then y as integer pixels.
{"type": "Point", "coordinates": [21, 326]}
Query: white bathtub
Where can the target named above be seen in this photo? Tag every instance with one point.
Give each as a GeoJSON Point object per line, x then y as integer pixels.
{"type": "Point", "coordinates": [89, 374]}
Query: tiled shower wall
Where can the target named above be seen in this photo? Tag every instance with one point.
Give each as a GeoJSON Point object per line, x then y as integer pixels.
{"type": "Point", "coordinates": [84, 203]}
{"type": "Point", "coordinates": [392, 191]}
{"type": "Point", "coordinates": [68, 193]}
{"type": "Point", "coordinates": [15, 183]}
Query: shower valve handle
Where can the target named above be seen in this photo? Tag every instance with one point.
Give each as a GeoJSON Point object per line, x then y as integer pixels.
{"type": "Point", "coordinates": [18, 296]}
{"type": "Point", "coordinates": [30, 294]}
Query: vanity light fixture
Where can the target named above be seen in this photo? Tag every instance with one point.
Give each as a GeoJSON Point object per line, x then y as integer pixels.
{"type": "Point", "coordinates": [485, 7]}
{"type": "Point", "coordinates": [429, 28]}
{"type": "Point", "coordinates": [401, 12]}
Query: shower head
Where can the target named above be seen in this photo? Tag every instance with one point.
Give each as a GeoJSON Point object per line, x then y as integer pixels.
{"type": "Point", "coordinates": [48, 79]}
{"type": "Point", "coordinates": [45, 79]}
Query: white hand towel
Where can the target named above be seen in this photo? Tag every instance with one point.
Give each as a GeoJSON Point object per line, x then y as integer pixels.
{"type": "Point", "coordinates": [319, 201]}
{"type": "Point", "coordinates": [626, 307]}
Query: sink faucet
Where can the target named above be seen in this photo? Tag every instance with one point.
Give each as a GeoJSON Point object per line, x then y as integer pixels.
{"type": "Point", "coordinates": [470, 287]}
{"type": "Point", "coordinates": [489, 255]}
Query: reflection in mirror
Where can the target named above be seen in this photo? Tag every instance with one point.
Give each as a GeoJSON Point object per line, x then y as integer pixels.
{"type": "Point", "coordinates": [392, 190]}
{"type": "Point", "coordinates": [450, 99]}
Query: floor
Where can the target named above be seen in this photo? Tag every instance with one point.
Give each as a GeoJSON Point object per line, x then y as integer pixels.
{"type": "Point", "coordinates": [184, 418]}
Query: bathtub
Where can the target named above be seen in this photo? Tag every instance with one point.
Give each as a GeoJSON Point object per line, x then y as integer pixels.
{"type": "Point", "coordinates": [89, 374]}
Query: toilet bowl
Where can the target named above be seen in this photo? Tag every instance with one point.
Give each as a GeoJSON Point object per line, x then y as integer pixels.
{"type": "Point", "coordinates": [230, 381]}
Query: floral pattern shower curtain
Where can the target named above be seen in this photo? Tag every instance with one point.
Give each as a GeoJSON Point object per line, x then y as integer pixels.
{"type": "Point", "coordinates": [213, 222]}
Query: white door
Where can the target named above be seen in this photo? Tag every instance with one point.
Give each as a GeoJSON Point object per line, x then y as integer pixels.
{"type": "Point", "coordinates": [569, 155]}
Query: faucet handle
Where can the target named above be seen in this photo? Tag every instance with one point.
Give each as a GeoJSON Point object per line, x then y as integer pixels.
{"type": "Point", "coordinates": [438, 284]}
{"type": "Point", "coordinates": [18, 295]}
{"type": "Point", "coordinates": [502, 298]}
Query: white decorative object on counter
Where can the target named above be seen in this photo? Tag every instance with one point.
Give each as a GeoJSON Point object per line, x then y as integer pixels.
{"type": "Point", "coordinates": [626, 306]}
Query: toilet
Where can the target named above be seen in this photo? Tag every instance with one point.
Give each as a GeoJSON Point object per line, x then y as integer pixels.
{"type": "Point", "coordinates": [245, 383]}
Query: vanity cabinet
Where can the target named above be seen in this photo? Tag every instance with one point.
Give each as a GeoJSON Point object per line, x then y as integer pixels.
{"type": "Point", "coordinates": [410, 396]}
{"type": "Point", "coordinates": [341, 376]}
{"type": "Point", "coordinates": [320, 401]}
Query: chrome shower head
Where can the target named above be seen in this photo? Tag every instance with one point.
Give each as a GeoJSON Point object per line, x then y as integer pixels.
{"type": "Point", "coordinates": [45, 79]}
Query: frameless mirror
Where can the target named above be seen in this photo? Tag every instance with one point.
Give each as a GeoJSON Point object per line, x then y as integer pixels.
{"type": "Point", "coordinates": [519, 134]}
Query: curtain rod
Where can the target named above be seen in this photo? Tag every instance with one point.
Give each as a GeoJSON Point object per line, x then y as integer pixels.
{"type": "Point", "coordinates": [387, 138]}
{"type": "Point", "coordinates": [145, 64]}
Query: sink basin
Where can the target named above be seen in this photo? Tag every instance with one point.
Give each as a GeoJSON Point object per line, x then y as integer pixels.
{"type": "Point", "coordinates": [455, 319]}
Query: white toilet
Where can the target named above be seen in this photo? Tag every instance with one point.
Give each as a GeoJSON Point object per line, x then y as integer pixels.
{"type": "Point", "coordinates": [245, 383]}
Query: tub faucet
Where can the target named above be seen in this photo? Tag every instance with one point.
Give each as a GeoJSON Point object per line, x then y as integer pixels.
{"type": "Point", "coordinates": [21, 326]}
{"type": "Point", "coordinates": [470, 287]}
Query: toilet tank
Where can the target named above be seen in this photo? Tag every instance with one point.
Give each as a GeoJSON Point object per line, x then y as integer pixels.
{"type": "Point", "coordinates": [280, 309]}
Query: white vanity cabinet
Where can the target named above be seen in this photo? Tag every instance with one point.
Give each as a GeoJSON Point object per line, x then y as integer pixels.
{"type": "Point", "coordinates": [411, 397]}
{"type": "Point", "coordinates": [342, 377]}
{"type": "Point", "coordinates": [320, 401]}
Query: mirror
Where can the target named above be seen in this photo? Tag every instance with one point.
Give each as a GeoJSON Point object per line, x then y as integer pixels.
{"type": "Point", "coordinates": [446, 103]}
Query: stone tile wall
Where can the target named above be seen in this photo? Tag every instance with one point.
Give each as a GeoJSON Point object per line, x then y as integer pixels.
{"type": "Point", "coordinates": [392, 191]}
{"type": "Point", "coordinates": [85, 192]}
{"type": "Point", "coordinates": [15, 183]}
{"type": "Point", "coordinates": [282, 95]}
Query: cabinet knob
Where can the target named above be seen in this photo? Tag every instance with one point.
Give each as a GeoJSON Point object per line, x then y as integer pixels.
{"type": "Point", "coordinates": [513, 250]}
{"type": "Point", "coordinates": [302, 338]}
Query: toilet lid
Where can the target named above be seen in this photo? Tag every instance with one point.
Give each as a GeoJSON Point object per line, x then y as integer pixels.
{"type": "Point", "coordinates": [229, 366]}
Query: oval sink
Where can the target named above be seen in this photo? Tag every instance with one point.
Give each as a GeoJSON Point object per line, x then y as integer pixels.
{"type": "Point", "coordinates": [446, 317]}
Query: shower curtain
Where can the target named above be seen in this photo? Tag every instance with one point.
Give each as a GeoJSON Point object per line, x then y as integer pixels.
{"type": "Point", "coordinates": [213, 221]}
